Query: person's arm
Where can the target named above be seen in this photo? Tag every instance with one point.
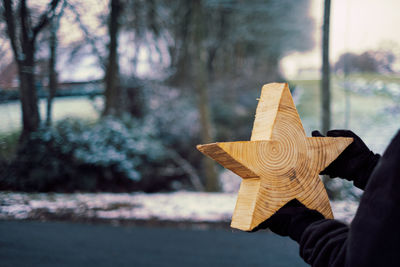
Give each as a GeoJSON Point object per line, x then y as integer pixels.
{"type": "Point", "coordinates": [356, 162]}
{"type": "Point", "coordinates": [373, 238]}
{"type": "Point", "coordinates": [322, 241]}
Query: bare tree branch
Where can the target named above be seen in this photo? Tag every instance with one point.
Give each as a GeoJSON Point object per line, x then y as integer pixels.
{"type": "Point", "coordinates": [45, 18]}
{"type": "Point", "coordinates": [91, 40]}
{"type": "Point", "coordinates": [26, 31]}
{"type": "Point", "coordinates": [10, 21]}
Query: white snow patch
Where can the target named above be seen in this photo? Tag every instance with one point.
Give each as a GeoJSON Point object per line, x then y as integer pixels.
{"type": "Point", "coordinates": [177, 206]}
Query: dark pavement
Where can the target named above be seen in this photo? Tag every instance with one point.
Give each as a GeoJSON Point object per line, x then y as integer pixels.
{"type": "Point", "coordinates": [24, 243]}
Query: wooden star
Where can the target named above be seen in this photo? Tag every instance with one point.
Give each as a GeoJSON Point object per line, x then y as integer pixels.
{"type": "Point", "coordinates": [279, 163]}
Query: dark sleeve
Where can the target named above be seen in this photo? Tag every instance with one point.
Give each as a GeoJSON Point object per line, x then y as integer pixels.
{"type": "Point", "coordinates": [373, 238]}
{"type": "Point", "coordinates": [324, 243]}
{"type": "Point", "coordinates": [362, 174]}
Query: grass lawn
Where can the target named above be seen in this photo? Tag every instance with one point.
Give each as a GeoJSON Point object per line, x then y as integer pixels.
{"type": "Point", "coordinates": [368, 117]}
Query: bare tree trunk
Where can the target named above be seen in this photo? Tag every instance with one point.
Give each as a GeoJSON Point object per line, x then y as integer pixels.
{"type": "Point", "coordinates": [347, 107]}
{"type": "Point", "coordinates": [200, 83]}
{"type": "Point", "coordinates": [325, 88]}
{"type": "Point", "coordinates": [204, 112]}
{"type": "Point", "coordinates": [26, 66]}
{"type": "Point", "coordinates": [113, 92]}
{"type": "Point", "coordinates": [22, 35]}
{"type": "Point", "coordinates": [181, 56]}
{"type": "Point", "coordinates": [28, 96]}
{"type": "Point", "coordinates": [52, 86]}
{"type": "Point", "coordinates": [325, 84]}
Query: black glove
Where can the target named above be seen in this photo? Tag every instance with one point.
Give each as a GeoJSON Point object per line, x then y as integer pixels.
{"type": "Point", "coordinates": [356, 162]}
{"type": "Point", "coordinates": [291, 220]}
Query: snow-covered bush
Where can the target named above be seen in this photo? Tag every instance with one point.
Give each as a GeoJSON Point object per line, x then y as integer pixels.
{"type": "Point", "coordinates": [113, 144]}
{"type": "Point", "coordinates": [111, 155]}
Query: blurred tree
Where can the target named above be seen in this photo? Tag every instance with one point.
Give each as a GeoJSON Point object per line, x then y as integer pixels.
{"type": "Point", "coordinates": [179, 47]}
{"type": "Point", "coordinates": [222, 47]}
{"type": "Point", "coordinates": [325, 82]}
{"type": "Point", "coordinates": [52, 85]}
{"type": "Point", "coordinates": [5, 58]}
{"type": "Point", "coordinates": [92, 38]}
{"type": "Point", "coordinates": [142, 25]}
{"type": "Point", "coordinates": [22, 33]}
{"type": "Point", "coordinates": [113, 90]}
{"type": "Point", "coordinates": [125, 18]}
{"type": "Point", "coordinates": [200, 78]}
{"type": "Point", "coordinates": [241, 37]}
{"type": "Point", "coordinates": [52, 72]}
{"type": "Point", "coordinates": [215, 55]}
{"type": "Point", "coordinates": [369, 61]}
{"type": "Point", "coordinates": [372, 61]}
{"type": "Point", "coordinates": [325, 86]}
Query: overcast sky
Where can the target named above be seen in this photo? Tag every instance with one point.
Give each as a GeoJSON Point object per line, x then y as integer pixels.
{"type": "Point", "coordinates": [356, 25]}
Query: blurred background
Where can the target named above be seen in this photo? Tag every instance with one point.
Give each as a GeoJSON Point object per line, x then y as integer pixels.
{"type": "Point", "coordinates": [103, 102]}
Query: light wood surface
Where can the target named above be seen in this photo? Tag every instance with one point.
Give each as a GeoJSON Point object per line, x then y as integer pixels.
{"type": "Point", "coordinates": [279, 163]}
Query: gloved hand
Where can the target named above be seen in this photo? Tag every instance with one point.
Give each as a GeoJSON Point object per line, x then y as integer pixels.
{"type": "Point", "coordinates": [291, 220]}
{"type": "Point", "coordinates": [356, 162]}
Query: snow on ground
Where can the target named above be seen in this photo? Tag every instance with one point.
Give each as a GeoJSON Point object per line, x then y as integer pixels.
{"type": "Point", "coordinates": [178, 206]}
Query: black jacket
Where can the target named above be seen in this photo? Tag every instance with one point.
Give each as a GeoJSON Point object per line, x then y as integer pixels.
{"type": "Point", "coordinates": [373, 238]}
